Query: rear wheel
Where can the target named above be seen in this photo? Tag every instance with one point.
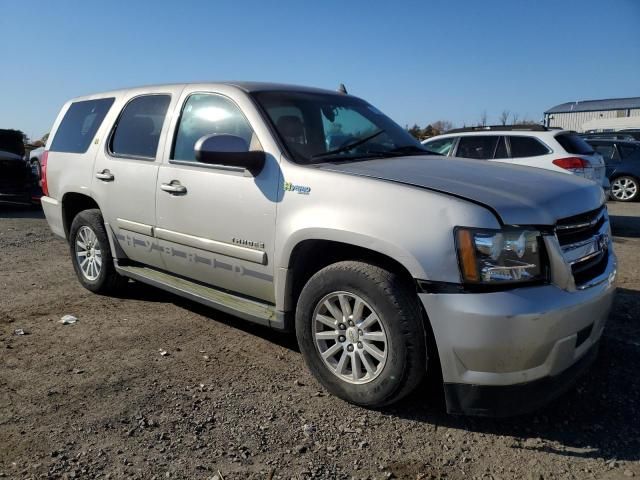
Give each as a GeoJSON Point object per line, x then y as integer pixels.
{"type": "Point", "coordinates": [625, 189]}
{"type": "Point", "coordinates": [360, 331]}
{"type": "Point", "coordinates": [91, 253]}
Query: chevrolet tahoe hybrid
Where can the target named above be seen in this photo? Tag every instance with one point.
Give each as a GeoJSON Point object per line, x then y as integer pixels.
{"type": "Point", "coordinates": [307, 209]}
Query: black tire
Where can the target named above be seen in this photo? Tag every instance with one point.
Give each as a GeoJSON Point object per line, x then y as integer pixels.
{"type": "Point", "coordinates": [396, 304]}
{"type": "Point", "coordinates": [108, 281]}
{"type": "Point", "coordinates": [628, 182]}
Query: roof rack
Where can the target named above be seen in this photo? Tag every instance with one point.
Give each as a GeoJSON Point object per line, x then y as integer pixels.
{"type": "Point", "coordinates": [494, 128]}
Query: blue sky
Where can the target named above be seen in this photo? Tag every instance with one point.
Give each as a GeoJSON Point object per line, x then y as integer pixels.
{"type": "Point", "coordinates": [418, 61]}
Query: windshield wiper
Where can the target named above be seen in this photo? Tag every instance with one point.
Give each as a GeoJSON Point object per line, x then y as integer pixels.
{"type": "Point", "coordinates": [412, 149]}
{"type": "Point", "coordinates": [351, 146]}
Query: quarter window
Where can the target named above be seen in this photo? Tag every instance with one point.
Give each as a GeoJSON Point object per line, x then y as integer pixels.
{"type": "Point", "coordinates": [526, 147]}
{"type": "Point", "coordinates": [574, 144]}
{"type": "Point", "coordinates": [207, 114]}
{"type": "Point", "coordinates": [137, 131]}
{"type": "Point", "coordinates": [79, 125]}
{"type": "Point", "coordinates": [477, 146]}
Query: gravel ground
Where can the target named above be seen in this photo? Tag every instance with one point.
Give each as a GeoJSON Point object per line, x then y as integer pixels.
{"type": "Point", "coordinates": [232, 400]}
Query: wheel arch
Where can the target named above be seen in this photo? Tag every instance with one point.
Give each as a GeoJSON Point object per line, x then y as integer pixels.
{"type": "Point", "coordinates": [310, 250]}
{"type": "Point", "coordinates": [72, 204]}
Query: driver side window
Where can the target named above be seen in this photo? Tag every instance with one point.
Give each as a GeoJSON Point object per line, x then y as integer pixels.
{"type": "Point", "coordinates": [207, 114]}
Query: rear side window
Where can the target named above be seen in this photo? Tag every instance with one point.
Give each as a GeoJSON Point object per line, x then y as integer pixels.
{"type": "Point", "coordinates": [526, 147]}
{"type": "Point", "coordinates": [442, 146]}
{"type": "Point", "coordinates": [608, 152]}
{"type": "Point", "coordinates": [137, 131]}
{"type": "Point", "coordinates": [79, 125]}
{"type": "Point", "coordinates": [477, 146]}
{"type": "Point", "coordinates": [572, 143]}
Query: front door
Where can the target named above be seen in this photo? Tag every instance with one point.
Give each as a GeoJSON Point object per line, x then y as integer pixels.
{"type": "Point", "coordinates": [126, 171]}
{"type": "Point", "coordinates": [216, 224]}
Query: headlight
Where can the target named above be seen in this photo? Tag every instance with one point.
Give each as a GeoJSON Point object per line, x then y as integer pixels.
{"type": "Point", "coordinates": [499, 256]}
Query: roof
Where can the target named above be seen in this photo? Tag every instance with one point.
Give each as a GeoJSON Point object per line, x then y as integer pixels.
{"type": "Point", "coordinates": [267, 86]}
{"type": "Point", "coordinates": [596, 105]}
{"type": "Point", "coordinates": [247, 87]}
{"type": "Point", "coordinates": [502, 128]}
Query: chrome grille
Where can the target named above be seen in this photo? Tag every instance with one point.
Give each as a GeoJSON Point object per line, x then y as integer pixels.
{"type": "Point", "coordinates": [584, 241]}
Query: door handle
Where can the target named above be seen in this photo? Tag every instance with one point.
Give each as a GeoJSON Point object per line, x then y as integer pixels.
{"type": "Point", "coordinates": [174, 188]}
{"type": "Point", "coordinates": [105, 175]}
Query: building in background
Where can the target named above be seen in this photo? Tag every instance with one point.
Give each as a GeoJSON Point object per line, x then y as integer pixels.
{"type": "Point", "coordinates": [595, 115]}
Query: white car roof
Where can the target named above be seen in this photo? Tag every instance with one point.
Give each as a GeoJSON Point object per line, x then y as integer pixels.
{"type": "Point", "coordinates": [522, 133]}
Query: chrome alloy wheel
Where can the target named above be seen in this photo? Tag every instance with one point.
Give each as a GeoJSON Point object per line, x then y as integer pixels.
{"type": "Point", "coordinates": [350, 337]}
{"type": "Point", "coordinates": [88, 253]}
{"type": "Point", "coordinates": [624, 188]}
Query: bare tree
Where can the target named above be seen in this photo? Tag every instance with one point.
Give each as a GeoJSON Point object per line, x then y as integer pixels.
{"type": "Point", "coordinates": [514, 118]}
{"type": "Point", "coordinates": [504, 117]}
{"type": "Point", "coordinates": [441, 126]}
{"type": "Point", "coordinates": [528, 121]}
{"type": "Point", "coordinates": [483, 119]}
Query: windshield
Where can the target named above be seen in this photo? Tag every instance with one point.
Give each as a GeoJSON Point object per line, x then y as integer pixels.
{"type": "Point", "coordinates": [323, 127]}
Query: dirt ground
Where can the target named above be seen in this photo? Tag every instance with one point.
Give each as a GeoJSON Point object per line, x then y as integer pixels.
{"type": "Point", "coordinates": [232, 400]}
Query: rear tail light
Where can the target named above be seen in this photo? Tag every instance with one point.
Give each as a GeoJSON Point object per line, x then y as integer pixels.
{"type": "Point", "coordinates": [572, 163]}
{"type": "Point", "coordinates": [576, 165]}
{"type": "Point", "coordinates": [43, 173]}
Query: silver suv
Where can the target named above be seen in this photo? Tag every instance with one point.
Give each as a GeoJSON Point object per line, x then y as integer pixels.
{"type": "Point", "coordinates": [307, 209]}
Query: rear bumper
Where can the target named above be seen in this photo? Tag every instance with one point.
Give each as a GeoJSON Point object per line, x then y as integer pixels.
{"type": "Point", "coordinates": [53, 212]}
{"type": "Point", "coordinates": [515, 342]}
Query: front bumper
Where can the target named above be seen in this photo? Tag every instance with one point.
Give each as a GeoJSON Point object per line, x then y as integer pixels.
{"type": "Point", "coordinates": [493, 344]}
{"type": "Point", "coordinates": [508, 400]}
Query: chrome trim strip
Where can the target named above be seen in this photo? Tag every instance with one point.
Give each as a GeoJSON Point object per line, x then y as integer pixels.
{"type": "Point", "coordinates": [608, 276]}
{"type": "Point", "coordinates": [586, 257]}
{"type": "Point", "coordinates": [222, 248]}
{"type": "Point", "coordinates": [576, 226]}
{"type": "Point", "coordinates": [211, 166]}
{"type": "Point", "coordinates": [136, 227]}
{"type": "Point", "coordinates": [585, 249]}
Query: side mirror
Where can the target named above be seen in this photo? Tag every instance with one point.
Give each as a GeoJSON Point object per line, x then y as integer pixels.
{"type": "Point", "coordinates": [228, 150]}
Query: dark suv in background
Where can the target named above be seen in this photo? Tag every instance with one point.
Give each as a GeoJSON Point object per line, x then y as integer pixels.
{"type": "Point", "coordinates": [622, 159]}
{"type": "Point", "coordinates": [18, 179]}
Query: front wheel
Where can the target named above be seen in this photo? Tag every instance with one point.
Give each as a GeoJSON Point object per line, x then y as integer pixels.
{"type": "Point", "coordinates": [625, 189]}
{"type": "Point", "coordinates": [91, 253]}
{"type": "Point", "coordinates": [359, 328]}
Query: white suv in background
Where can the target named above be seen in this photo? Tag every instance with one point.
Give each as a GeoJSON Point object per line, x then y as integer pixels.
{"type": "Point", "coordinates": [529, 145]}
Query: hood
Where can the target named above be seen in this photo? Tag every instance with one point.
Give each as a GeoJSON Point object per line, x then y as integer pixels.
{"type": "Point", "coordinates": [518, 195]}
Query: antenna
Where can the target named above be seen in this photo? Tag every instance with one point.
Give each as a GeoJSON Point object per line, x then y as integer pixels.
{"type": "Point", "coordinates": [342, 89]}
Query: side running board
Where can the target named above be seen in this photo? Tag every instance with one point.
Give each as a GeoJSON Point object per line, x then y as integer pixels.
{"type": "Point", "coordinates": [251, 310]}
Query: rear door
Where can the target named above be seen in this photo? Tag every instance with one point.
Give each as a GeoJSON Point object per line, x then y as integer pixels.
{"type": "Point", "coordinates": [609, 153]}
{"type": "Point", "coordinates": [126, 170]}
